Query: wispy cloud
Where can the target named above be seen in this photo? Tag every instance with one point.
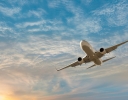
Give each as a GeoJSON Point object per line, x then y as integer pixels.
{"type": "Point", "coordinates": [19, 2]}
{"type": "Point", "coordinates": [37, 13]}
{"type": "Point", "coordinates": [7, 31]}
{"type": "Point", "coordinates": [53, 3]}
{"type": "Point", "coordinates": [31, 70]}
{"type": "Point", "coordinates": [10, 11]}
{"type": "Point", "coordinates": [115, 14]}
{"type": "Point", "coordinates": [89, 26]}
{"type": "Point", "coordinates": [75, 10]}
{"type": "Point", "coordinates": [42, 25]}
{"type": "Point", "coordinates": [35, 45]}
{"type": "Point", "coordinates": [86, 2]}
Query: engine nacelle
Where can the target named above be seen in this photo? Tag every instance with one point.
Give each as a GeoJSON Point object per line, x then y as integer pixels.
{"type": "Point", "coordinates": [102, 51]}
{"type": "Point", "coordinates": [80, 60]}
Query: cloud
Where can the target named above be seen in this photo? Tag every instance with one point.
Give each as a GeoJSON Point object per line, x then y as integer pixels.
{"type": "Point", "coordinates": [89, 26]}
{"type": "Point", "coordinates": [7, 32]}
{"type": "Point", "coordinates": [115, 14]}
{"type": "Point", "coordinates": [19, 2]}
{"type": "Point", "coordinates": [82, 24]}
{"type": "Point", "coordinates": [4, 28]}
{"type": "Point", "coordinates": [37, 13]}
{"type": "Point", "coordinates": [28, 61]}
{"type": "Point", "coordinates": [53, 3]}
{"type": "Point", "coordinates": [42, 25]}
{"type": "Point", "coordinates": [86, 2]}
{"type": "Point", "coordinates": [74, 9]}
{"type": "Point", "coordinates": [69, 6]}
{"type": "Point", "coordinates": [10, 11]}
{"type": "Point", "coordinates": [29, 71]}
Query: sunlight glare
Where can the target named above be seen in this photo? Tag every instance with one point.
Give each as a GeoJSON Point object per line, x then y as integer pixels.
{"type": "Point", "coordinates": [2, 97]}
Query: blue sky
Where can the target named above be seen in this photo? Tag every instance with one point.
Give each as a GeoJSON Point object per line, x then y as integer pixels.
{"type": "Point", "coordinates": [38, 36]}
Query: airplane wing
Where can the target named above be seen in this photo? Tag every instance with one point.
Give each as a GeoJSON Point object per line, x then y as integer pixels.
{"type": "Point", "coordinates": [71, 65]}
{"type": "Point", "coordinates": [114, 47]}
{"type": "Point", "coordinates": [110, 49]}
{"type": "Point", "coordinates": [85, 60]}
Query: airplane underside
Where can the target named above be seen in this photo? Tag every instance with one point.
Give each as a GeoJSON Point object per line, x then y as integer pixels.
{"type": "Point", "coordinates": [92, 55]}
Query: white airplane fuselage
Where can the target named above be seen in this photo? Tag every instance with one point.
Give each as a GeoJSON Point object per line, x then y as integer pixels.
{"type": "Point", "coordinates": [87, 48]}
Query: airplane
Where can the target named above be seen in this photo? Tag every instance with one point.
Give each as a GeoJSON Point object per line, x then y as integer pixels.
{"type": "Point", "coordinates": [92, 55]}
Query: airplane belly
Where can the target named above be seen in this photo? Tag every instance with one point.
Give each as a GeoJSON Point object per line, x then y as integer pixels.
{"type": "Point", "coordinates": [88, 50]}
{"type": "Point", "coordinates": [97, 61]}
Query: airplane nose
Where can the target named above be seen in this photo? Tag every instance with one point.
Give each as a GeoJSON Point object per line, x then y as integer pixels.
{"type": "Point", "coordinates": [82, 42]}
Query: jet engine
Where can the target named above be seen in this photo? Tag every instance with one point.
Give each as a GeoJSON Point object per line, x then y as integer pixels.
{"type": "Point", "coordinates": [102, 51]}
{"type": "Point", "coordinates": [80, 60]}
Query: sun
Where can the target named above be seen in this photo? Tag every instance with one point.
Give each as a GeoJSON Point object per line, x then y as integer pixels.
{"type": "Point", "coordinates": [2, 97]}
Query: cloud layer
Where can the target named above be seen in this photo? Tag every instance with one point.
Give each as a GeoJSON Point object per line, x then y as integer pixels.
{"type": "Point", "coordinates": [37, 37]}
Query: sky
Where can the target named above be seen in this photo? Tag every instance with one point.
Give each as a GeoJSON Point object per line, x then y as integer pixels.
{"type": "Point", "coordinates": [37, 36]}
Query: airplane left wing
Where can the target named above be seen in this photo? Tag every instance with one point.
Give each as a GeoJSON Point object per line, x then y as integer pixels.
{"type": "Point", "coordinates": [71, 65]}
{"type": "Point", "coordinates": [110, 49]}
{"type": "Point", "coordinates": [114, 47]}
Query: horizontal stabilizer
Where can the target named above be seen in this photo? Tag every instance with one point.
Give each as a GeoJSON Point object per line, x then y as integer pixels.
{"type": "Point", "coordinates": [108, 59]}
{"type": "Point", "coordinates": [91, 66]}
{"type": "Point", "coordinates": [102, 61]}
